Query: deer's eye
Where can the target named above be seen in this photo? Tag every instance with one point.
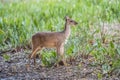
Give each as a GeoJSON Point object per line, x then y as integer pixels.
{"type": "Point", "coordinates": [71, 21]}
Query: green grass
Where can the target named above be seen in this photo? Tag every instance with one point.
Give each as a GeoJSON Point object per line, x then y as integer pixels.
{"type": "Point", "coordinates": [21, 19]}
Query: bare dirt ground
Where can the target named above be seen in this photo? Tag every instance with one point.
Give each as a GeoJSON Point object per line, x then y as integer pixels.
{"type": "Point", "coordinates": [15, 69]}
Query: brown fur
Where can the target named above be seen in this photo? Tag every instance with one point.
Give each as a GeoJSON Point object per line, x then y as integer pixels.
{"type": "Point", "coordinates": [51, 39]}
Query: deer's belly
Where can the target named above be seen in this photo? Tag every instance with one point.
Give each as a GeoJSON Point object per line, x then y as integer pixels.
{"type": "Point", "coordinates": [49, 45]}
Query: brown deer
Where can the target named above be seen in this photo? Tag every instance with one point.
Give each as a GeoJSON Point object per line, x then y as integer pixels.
{"type": "Point", "coordinates": [52, 40]}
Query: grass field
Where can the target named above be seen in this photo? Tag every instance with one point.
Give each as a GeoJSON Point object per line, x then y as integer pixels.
{"type": "Point", "coordinates": [19, 20]}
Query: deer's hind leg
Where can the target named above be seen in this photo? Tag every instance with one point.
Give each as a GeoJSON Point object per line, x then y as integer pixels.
{"type": "Point", "coordinates": [33, 54]}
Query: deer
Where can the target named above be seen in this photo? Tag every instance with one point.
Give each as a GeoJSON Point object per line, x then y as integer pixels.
{"type": "Point", "coordinates": [52, 40]}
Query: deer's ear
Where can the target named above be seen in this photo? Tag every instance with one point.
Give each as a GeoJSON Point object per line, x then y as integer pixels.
{"type": "Point", "coordinates": [66, 18]}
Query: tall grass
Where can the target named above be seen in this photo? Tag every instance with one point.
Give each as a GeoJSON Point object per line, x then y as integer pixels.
{"type": "Point", "coordinates": [20, 20]}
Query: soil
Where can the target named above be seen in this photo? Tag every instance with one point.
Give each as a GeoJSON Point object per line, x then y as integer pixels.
{"type": "Point", "coordinates": [79, 69]}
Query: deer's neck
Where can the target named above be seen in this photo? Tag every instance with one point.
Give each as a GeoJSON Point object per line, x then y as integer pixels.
{"type": "Point", "coordinates": [67, 30]}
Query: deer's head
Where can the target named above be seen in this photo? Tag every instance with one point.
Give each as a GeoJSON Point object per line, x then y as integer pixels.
{"type": "Point", "coordinates": [70, 21]}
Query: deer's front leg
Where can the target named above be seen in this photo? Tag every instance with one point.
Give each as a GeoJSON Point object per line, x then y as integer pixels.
{"type": "Point", "coordinates": [62, 57]}
{"type": "Point", "coordinates": [60, 52]}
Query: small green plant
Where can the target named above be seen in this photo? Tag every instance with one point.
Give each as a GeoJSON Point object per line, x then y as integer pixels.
{"type": "Point", "coordinates": [48, 58]}
{"type": "Point", "coordinates": [6, 57]}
